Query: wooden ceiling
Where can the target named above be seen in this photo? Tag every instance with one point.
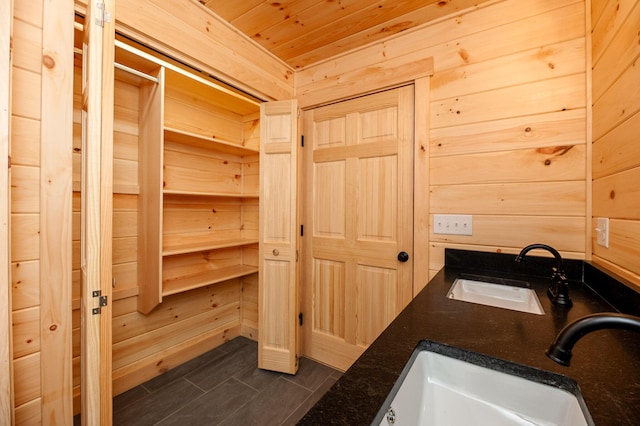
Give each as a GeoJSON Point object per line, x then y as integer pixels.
{"type": "Point", "coordinates": [302, 32]}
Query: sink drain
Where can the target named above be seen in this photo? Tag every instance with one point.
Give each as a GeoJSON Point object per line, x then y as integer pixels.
{"type": "Point", "coordinates": [391, 416]}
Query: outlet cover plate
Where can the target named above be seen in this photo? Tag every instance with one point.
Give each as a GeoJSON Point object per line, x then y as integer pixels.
{"type": "Point", "coordinates": [602, 231]}
{"type": "Point", "coordinates": [453, 224]}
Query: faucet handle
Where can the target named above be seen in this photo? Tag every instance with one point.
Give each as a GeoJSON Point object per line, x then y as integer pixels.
{"type": "Point", "coordinates": [559, 291]}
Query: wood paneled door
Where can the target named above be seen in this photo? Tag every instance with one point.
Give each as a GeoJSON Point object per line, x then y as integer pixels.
{"type": "Point", "coordinates": [358, 218]}
{"type": "Point", "coordinates": [278, 253]}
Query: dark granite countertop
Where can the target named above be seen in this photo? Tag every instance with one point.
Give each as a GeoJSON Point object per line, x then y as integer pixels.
{"type": "Point", "coordinates": [605, 364]}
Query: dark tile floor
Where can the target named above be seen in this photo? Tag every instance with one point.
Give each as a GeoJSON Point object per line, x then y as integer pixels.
{"type": "Point", "coordinates": [224, 386]}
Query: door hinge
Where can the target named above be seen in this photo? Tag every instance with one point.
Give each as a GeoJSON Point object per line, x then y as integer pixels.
{"type": "Point", "coordinates": [103, 14]}
{"type": "Point", "coordinates": [300, 318]}
{"type": "Point", "coordinates": [102, 301]}
{"type": "Point", "coordinates": [302, 230]}
{"type": "Point", "coordinates": [302, 141]}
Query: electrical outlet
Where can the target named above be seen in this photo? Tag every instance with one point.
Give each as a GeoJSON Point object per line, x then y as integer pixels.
{"type": "Point", "coordinates": [453, 224]}
{"type": "Point", "coordinates": [602, 231]}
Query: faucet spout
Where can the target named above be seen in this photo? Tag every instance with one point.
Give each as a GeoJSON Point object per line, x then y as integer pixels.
{"type": "Point", "coordinates": [560, 350]}
{"type": "Point", "coordinates": [554, 252]}
{"type": "Point", "coordinates": [559, 291]}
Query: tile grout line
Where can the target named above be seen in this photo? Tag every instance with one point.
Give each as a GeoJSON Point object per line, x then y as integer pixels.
{"type": "Point", "coordinates": [178, 409]}
{"type": "Point", "coordinates": [307, 398]}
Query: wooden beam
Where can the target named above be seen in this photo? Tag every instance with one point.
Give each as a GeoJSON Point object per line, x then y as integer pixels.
{"type": "Point", "coordinates": [55, 212]}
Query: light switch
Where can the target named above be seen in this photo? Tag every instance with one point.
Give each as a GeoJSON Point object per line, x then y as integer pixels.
{"type": "Point", "coordinates": [453, 224]}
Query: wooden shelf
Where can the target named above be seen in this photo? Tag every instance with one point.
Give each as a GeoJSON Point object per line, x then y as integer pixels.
{"type": "Point", "coordinates": [214, 245]}
{"type": "Point", "coordinates": [207, 194]}
{"type": "Point", "coordinates": [199, 178]}
{"type": "Point", "coordinates": [201, 279]}
{"type": "Point", "coordinates": [194, 139]}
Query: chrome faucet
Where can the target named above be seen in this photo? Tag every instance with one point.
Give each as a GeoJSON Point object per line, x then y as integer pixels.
{"type": "Point", "coordinates": [559, 290]}
{"type": "Point", "coordinates": [560, 350]}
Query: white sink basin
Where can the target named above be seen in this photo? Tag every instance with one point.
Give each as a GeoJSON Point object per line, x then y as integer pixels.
{"type": "Point", "coordinates": [441, 390]}
{"type": "Point", "coordinates": [498, 295]}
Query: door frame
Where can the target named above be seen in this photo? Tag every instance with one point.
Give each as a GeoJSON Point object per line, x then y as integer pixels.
{"type": "Point", "coordinates": [96, 213]}
{"type": "Point", "coordinates": [6, 352]}
{"type": "Point", "coordinates": [420, 272]}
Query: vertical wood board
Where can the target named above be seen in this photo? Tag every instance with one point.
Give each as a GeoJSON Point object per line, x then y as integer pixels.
{"type": "Point", "coordinates": [98, 104]}
{"type": "Point", "coordinates": [6, 339]}
{"type": "Point", "coordinates": [421, 170]}
{"type": "Point", "coordinates": [55, 212]}
{"type": "Point", "coordinates": [151, 147]}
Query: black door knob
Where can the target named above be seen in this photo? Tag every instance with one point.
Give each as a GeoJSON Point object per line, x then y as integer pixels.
{"type": "Point", "coordinates": [403, 256]}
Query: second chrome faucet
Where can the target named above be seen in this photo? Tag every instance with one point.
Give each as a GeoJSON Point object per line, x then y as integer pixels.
{"type": "Point", "coordinates": [559, 290]}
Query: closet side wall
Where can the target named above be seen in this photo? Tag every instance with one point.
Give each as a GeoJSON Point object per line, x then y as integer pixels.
{"type": "Point", "coordinates": [616, 125]}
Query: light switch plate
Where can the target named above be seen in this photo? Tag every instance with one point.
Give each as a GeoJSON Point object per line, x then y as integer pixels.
{"type": "Point", "coordinates": [602, 231]}
{"type": "Point", "coordinates": [453, 224]}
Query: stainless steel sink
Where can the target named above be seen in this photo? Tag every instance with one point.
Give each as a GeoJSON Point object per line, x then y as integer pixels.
{"type": "Point", "coordinates": [507, 294]}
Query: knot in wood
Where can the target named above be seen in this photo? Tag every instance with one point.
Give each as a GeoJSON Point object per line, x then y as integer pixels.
{"type": "Point", "coordinates": [48, 61]}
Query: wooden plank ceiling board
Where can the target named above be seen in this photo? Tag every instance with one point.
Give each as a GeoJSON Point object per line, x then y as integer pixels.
{"type": "Point", "coordinates": [302, 32]}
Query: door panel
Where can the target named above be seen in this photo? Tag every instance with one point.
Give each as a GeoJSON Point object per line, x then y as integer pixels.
{"type": "Point", "coordinates": [376, 288]}
{"type": "Point", "coordinates": [329, 292]}
{"type": "Point", "coordinates": [330, 221]}
{"type": "Point", "coordinates": [278, 293]}
{"type": "Point", "coordinates": [378, 198]}
{"type": "Point", "coordinates": [358, 187]}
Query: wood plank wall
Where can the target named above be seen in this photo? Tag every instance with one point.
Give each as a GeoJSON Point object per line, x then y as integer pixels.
{"type": "Point", "coordinates": [616, 125]}
{"type": "Point", "coordinates": [188, 31]}
{"type": "Point", "coordinates": [41, 211]}
{"type": "Point", "coordinates": [508, 132]}
{"type": "Point", "coordinates": [507, 118]}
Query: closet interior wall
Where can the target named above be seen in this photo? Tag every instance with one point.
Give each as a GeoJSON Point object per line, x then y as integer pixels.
{"type": "Point", "coordinates": [205, 216]}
